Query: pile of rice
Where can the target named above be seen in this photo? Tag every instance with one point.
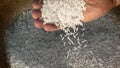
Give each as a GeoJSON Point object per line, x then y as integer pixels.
{"type": "Point", "coordinates": [64, 13]}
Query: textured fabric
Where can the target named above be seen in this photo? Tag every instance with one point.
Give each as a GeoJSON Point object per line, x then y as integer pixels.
{"type": "Point", "coordinates": [29, 47]}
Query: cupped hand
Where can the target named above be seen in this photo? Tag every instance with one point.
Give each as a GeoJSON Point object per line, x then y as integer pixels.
{"type": "Point", "coordinates": [94, 10]}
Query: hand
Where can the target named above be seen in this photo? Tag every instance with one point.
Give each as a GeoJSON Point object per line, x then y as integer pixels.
{"type": "Point", "coordinates": [94, 10]}
{"type": "Point", "coordinates": [97, 8]}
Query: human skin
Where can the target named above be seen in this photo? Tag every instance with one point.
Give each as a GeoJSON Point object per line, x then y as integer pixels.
{"type": "Point", "coordinates": [94, 10]}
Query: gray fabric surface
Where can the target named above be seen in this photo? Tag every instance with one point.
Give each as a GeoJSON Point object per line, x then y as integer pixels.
{"type": "Point", "coordinates": [28, 47]}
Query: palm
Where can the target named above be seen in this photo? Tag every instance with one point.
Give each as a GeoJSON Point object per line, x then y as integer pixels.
{"type": "Point", "coordinates": [97, 8]}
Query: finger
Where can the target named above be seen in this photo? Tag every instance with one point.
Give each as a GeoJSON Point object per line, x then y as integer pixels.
{"type": "Point", "coordinates": [50, 27]}
{"type": "Point", "coordinates": [86, 0]}
{"type": "Point", "coordinates": [37, 4]}
{"type": "Point", "coordinates": [38, 23]}
{"type": "Point", "coordinates": [36, 14]}
{"type": "Point", "coordinates": [90, 1]}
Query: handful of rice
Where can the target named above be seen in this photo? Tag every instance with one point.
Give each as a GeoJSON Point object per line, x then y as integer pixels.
{"type": "Point", "coordinates": [63, 13]}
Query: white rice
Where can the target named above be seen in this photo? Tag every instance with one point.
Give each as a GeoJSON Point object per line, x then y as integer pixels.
{"type": "Point", "coordinates": [64, 13]}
